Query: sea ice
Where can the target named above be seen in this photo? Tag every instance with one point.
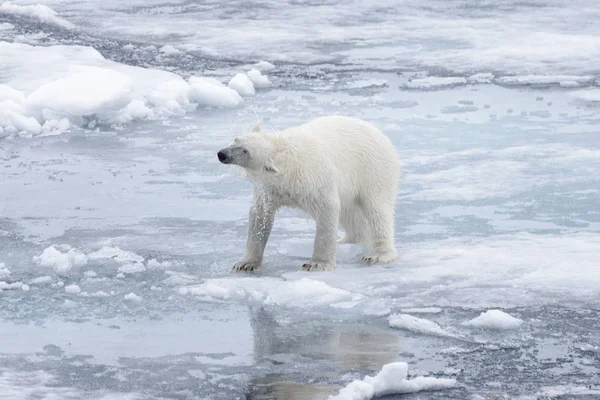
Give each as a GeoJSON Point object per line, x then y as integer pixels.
{"type": "Point", "coordinates": [115, 253]}
{"type": "Point", "coordinates": [242, 84]}
{"type": "Point", "coordinates": [169, 50]}
{"type": "Point", "coordinates": [418, 325]}
{"type": "Point", "coordinates": [47, 89]}
{"type": "Point", "coordinates": [132, 297]}
{"type": "Point", "coordinates": [392, 379]}
{"type": "Point", "coordinates": [259, 80]}
{"type": "Point", "coordinates": [587, 95]}
{"type": "Point", "coordinates": [495, 319]}
{"type": "Point", "coordinates": [38, 11]}
{"type": "Point", "coordinates": [303, 293]}
{"type": "Point", "coordinates": [4, 272]}
{"type": "Point", "coordinates": [264, 66]}
{"type": "Point", "coordinates": [72, 289]}
{"type": "Point", "coordinates": [211, 92]}
{"type": "Point", "coordinates": [61, 262]}
{"type": "Point", "coordinates": [434, 82]}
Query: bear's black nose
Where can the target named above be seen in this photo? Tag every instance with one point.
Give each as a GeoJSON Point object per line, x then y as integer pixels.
{"type": "Point", "coordinates": [222, 157]}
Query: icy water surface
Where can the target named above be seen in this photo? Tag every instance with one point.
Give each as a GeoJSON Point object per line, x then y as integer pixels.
{"type": "Point", "coordinates": [118, 232]}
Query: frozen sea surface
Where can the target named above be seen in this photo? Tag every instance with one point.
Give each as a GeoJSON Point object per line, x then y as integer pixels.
{"type": "Point", "coordinates": [118, 226]}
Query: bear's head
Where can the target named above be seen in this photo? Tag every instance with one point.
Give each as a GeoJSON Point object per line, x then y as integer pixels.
{"type": "Point", "coordinates": [252, 151]}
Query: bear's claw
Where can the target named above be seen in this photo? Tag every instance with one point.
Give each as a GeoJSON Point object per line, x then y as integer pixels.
{"type": "Point", "coordinates": [313, 266]}
{"type": "Point", "coordinates": [246, 266]}
{"type": "Point", "coordinates": [380, 258]}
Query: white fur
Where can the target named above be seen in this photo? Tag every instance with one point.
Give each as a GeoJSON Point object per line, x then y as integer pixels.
{"type": "Point", "coordinates": [340, 170]}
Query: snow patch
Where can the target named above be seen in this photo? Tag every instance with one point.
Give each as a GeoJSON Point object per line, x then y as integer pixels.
{"type": "Point", "coordinates": [418, 325]}
{"type": "Point", "coordinates": [495, 319]}
{"type": "Point", "coordinates": [61, 262]}
{"type": "Point", "coordinates": [40, 12]}
{"type": "Point", "coordinates": [392, 379]}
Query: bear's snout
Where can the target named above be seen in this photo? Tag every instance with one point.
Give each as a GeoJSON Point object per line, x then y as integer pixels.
{"type": "Point", "coordinates": [223, 157]}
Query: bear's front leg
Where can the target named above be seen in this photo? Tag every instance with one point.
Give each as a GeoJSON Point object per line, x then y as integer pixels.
{"type": "Point", "coordinates": [262, 215]}
{"type": "Point", "coordinates": [326, 214]}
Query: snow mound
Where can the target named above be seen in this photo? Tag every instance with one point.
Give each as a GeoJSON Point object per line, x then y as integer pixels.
{"type": "Point", "coordinates": [495, 319]}
{"type": "Point", "coordinates": [562, 80]}
{"type": "Point", "coordinates": [391, 380]}
{"type": "Point", "coordinates": [434, 82]}
{"type": "Point", "coordinates": [418, 325]}
{"type": "Point", "coordinates": [40, 12]}
{"type": "Point", "coordinates": [273, 291]}
{"type": "Point", "coordinates": [61, 262]}
{"type": "Point", "coordinates": [259, 80]}
{"type": "Point", "coordinates": [242, 84]}
{"type": "Point", "coordinates": [47, 90]}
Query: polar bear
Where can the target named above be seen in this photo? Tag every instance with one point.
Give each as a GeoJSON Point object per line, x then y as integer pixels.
{"type": "Point", "coordinates": [341, 170]}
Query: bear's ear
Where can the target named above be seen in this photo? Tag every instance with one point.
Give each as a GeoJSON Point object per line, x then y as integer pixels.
{"type": "Point", "coordinates": [255, 128]}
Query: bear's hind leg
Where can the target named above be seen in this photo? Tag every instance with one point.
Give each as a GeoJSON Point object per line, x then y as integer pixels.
{"type": "Point", "coordinates": [355, 226]}
{"type": "Point", "coordinates": [381, 222]}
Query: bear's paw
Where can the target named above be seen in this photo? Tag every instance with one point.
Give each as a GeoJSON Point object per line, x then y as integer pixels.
{"type": "Point", "coordinates": [314, 266]}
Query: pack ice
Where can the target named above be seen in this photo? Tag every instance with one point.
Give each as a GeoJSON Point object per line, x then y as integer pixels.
{"type": "Point", "coordinates": [46, 89]}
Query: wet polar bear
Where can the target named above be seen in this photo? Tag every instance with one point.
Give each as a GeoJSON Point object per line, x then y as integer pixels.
{"type": "Point", "coordinates": [341, 170]}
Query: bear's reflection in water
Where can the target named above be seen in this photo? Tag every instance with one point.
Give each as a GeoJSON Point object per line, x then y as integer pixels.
{"type": "Point", "coordinates": [300, 358]}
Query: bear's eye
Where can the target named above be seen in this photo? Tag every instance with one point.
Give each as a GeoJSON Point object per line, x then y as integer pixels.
{"type": "Point", "coordinates": [245, 151]}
